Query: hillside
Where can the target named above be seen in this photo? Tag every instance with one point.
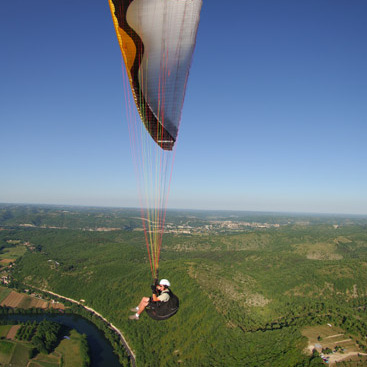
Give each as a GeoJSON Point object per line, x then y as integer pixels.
{"type": "Point", "coordinates": [247, 294]}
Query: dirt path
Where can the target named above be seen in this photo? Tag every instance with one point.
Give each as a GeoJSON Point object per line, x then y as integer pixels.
{"type": "Point", "coordinates": [342, 341]}
{"type": "Point", "coordinates": [333, 336]}
{"type": "Point", "coordinates": [113, 327]}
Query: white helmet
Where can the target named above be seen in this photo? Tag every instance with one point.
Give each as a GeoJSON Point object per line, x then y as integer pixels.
{"type": "Point", "coordinates": [165, 282]}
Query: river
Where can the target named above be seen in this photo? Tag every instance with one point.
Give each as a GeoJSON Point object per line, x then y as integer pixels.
{"type": "Point", "coordinates": [101, 351]}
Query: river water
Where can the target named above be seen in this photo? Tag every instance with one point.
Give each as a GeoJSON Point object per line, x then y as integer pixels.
{"type": "Point", "coordinates": [100, 349]}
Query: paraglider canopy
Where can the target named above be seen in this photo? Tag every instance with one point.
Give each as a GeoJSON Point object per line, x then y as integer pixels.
{"type": "Point", "coordinates": [157, 40]}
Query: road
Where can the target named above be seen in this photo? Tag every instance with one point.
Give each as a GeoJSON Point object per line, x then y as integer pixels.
{"type": "Point", "coordinates": [113, 327]}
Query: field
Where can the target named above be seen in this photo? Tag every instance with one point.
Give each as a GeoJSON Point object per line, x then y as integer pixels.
{"type": "Point", "coordinates": [13, 353]}
{"type": "Point", "coordinates": [4, 292]}
{"type": "Point", "coordinates": [19, 300]}
{"type": "Point", "coordinates": [43, 360]}
{"type": "Point", "coordinates": [6, 262]}
{"type": "Point", "coordinates": [6, 351]}
{"type": "Point", "coordinates": [334, 338]}
{"type": "Point", "coordinates": [4, 329]}
{"type": "Point", "coordinates": [69, 352]}
{"type": "Point", "coordinates": [12, 253]}
{"type": "Point", "coordinates": [12, 332]}
{"type": "Point", "coordinates": [16, 354]}
{"type": "Point", "coordinates": [20, 355]}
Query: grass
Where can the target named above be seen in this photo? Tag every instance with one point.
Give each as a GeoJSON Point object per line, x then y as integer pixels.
{"type": "Point", "coordinates": [44, 360]}
{"type": "Point", "coordinates": [330, 337]}
{"type": "Point", "coordinates": [20, 355]}
{"type": "Point", "coordinates": [4, 329]}
{"type": "Point", "coordinates": [25, 302]}
{"type": "Point", "coordinates": [324, 331]}
{"type": "Point", "coordinates": [70, 349]}
{"type": "Point", "coordinates": [4, 292]}
{"type": "Point", "coordinates": [13, 242]}
{"type": "Point", "coordinates": [13, 252]}
{"type": "Point", "coordinates": [6, 351]}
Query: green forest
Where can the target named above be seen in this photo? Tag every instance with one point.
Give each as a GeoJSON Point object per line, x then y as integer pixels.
{"type": "Point", "coordinates": [245, 295]}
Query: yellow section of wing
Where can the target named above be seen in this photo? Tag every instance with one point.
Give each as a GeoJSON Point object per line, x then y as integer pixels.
{"type": "Point", "coordinates": [127, 45]}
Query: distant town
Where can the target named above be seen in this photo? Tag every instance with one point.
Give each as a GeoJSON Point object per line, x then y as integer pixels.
{"type": "Point", "coordinates": [215, 226]}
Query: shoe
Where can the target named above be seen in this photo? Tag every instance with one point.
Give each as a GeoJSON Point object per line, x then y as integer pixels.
{"type": "Point", "coordinates": [135, 309]}
{"type": "Point", "coordinates": [133, 317]}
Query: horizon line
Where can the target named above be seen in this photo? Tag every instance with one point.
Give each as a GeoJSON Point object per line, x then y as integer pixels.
{"type": "Point", "coordinates": [264, 212]}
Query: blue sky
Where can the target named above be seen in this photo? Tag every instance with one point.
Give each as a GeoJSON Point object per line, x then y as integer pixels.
{"type": "Point", "coordinates": [275, 116]}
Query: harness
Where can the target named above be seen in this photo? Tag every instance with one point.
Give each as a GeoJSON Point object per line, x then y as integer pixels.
{"type": "Point", "coordinates": [163, 310]}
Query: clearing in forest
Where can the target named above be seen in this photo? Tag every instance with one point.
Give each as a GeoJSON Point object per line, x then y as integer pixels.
{"type": "Point", "coordinates": [327, 337]}
{"type": "Point", "coordinates": [71, 350]}
{"type": "Point", "coordinates": [13, 252]}
{"type": "Point", "coordinates": [6, 261]}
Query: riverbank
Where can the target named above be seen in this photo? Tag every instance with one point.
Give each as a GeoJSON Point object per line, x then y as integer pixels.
{"type": "Point", "coordinates": [18, 349]}
{"type": "Point", "coordinates": [110, 325]}
{"type": "Point", "coordinates": [100, 348]}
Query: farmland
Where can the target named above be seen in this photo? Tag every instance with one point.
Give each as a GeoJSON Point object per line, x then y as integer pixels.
{"type": "Point", "coordinates": [70, 352]}
{"type": "Point", "coordinates": [4, 329]}
{"type": "Point", "coordinates": [14, 353]}
{"type": "Point", "coordinates": [10, 254]}
{"type": "Point", "coordinates": [9, 298]}
{"type": "Point", "coordinates": [333, 344]}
